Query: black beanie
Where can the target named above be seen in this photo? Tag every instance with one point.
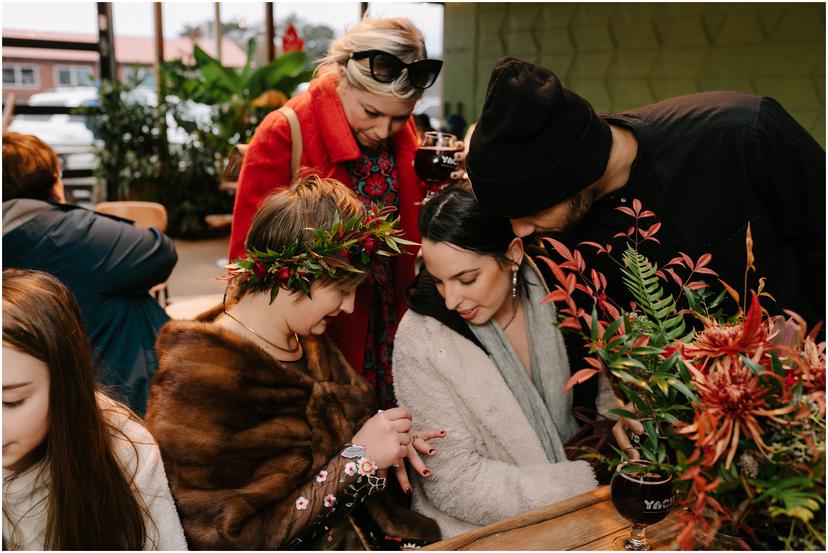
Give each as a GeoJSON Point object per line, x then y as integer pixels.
{"type": "Point", "coordinates": [535, 144]}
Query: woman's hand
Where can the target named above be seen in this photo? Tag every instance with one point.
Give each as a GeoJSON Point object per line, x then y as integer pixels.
{"type": "Point", "coordinates": [386, 436]}
{"type": "Point", "coordinates": [459, 174]}
{"type": "Point", "coordinates": [621, 432]}
{"type": "Point", "coordinates": [418, 445]}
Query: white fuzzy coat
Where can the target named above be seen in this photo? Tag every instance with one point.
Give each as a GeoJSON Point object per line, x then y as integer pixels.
{"type": "Point", "coordinates": [491, 464]}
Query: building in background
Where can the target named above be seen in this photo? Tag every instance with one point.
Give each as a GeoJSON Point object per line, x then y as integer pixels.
{"type": "Point", "coordinates": [28, 71]}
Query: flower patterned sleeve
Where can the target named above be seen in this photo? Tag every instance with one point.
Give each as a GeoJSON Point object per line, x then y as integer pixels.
{"type": "Point", "coordinates": [334, 492]}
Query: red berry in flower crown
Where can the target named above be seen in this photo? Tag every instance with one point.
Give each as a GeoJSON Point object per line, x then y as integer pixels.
{"type": "Point", "coordinates": [259, 269]}
{"type": "Point", "coordinates": [283, 274]}
{"type": "Point", "coordinates": [370, 245]}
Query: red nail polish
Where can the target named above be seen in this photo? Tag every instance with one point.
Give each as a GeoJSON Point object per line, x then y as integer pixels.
{"type": "Point", "coordinates": [426, 472]}
{"type": "Point", "coordinates": [431, 452]}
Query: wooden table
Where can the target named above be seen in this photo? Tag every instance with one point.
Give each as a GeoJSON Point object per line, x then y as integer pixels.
{"type": "Point", "coordinates": [584, 522]}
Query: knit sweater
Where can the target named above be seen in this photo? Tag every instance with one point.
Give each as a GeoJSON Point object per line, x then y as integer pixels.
{"type": "Point", "coordinates": [24, 495]}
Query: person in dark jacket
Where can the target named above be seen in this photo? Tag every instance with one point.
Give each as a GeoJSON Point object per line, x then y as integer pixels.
{"type": "Point", "coordinates": [108, 264]}
{"type": "Point", "coordinates": [706, 164]}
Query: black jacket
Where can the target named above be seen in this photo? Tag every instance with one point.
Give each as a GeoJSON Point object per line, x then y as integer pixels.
{"type": "Point", "coordinates": [707, 165]}
{"type": "Point", "coordinates": [109, 265]}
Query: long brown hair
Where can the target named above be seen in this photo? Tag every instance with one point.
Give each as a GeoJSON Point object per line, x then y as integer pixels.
{"type": "Point", "coordinates": [91, 502]}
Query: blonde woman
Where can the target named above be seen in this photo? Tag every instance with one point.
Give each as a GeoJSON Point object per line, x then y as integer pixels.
{"type": "Point", "coordinates": [356, 127]}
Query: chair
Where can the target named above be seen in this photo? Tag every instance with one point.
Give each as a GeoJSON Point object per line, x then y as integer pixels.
{"type": "Point", "coordinates": [144, 215]}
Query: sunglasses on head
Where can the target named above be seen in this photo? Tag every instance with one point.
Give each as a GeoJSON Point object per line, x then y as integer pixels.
{"type": "Point", "coordinates": [385, 68]}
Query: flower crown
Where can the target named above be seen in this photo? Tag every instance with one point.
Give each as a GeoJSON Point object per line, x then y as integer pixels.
{"type": "Point", "coordinates": [350, 246]}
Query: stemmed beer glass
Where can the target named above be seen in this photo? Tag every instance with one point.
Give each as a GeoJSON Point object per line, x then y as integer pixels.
{"type": "Point", "coordinates": [434, 161]}
{"type": "Point", "coordinates": [642, 494]}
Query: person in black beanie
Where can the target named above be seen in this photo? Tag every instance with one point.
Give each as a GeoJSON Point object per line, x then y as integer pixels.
{"type": "Point", "coordinates": [707, 164]}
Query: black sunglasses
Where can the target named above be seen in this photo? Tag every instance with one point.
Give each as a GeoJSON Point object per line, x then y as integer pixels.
{"type": "Point", "coordinates": [385, 68]}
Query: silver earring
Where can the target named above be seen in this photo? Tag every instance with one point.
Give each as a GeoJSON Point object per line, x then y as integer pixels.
{"type": "Point", "coordinates": [514, 284]}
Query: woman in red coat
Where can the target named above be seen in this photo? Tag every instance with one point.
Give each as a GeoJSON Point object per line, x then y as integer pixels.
{"type": "Point", "coordinates": [357, 128]}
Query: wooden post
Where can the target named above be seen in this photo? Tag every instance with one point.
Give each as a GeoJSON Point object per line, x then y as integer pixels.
{"type": "Point", "coordinates": [270, 33]}
{"type": "Point", "coordinates": [363, 9]}
{"type": "Point", "coordinates": [159, 49]}
{"type": "Point", "coordinates": [106, 42]}
{"type": "Point", "coordinates": [219, 32]}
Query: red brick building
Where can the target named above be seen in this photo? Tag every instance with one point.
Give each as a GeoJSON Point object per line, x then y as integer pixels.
{"type": "Point", "coordinates": [27, 71]}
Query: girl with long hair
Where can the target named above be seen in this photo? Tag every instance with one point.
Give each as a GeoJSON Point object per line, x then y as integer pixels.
{"type": "Point", "coordinates": [80, 471]}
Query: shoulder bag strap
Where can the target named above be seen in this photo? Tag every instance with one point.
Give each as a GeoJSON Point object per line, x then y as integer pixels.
{"type": "Point", "coordinates": [295, 140]}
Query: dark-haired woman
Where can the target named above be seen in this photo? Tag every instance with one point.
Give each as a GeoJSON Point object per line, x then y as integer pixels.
{"type": "Point", "coordinates": [492, 375]}
{"type": "Point", "coordinates": [80, 471]}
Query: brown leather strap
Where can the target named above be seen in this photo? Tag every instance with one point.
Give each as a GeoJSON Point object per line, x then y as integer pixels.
{"type": "Point", "coordinates": [295, 141]}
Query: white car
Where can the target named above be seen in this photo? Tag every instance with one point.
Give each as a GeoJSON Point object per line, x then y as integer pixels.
{"type": "Point", "coordinates": [71, 139]}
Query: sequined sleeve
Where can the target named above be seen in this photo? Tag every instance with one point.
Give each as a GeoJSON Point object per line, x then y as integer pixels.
{"type": "Point", "coordinates": [335, 491]}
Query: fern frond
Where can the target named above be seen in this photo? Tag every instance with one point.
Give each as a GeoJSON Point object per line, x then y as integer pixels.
{"type": "Point", "coordinates": [641, 280]}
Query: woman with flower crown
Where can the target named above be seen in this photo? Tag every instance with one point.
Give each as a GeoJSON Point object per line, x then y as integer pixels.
{"type": "Point", "coordinates": [356, 126]}
{"type": "Point", "coordinates": [270, 439]}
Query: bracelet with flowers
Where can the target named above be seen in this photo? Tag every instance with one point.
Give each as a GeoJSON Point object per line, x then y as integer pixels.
{"type": "Point", "coordinates": [349, 246]}
{"type": "Point", "coordinates": [733, 406]}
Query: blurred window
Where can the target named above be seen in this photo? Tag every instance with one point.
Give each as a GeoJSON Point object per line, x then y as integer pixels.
{"type": "Point", "coordinates": [20, 75]}
{"type": "Point", "coordinates": [74, 75]}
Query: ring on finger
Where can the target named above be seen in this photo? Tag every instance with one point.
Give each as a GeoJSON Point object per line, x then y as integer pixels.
{"type": "Point", "coordinates": [414, 438]}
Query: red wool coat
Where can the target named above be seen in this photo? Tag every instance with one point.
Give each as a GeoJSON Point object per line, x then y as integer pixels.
{"type": "Point", "coordinates": [328, 144]}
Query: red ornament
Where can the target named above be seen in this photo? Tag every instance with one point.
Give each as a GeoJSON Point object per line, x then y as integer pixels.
{"type": "Point", "coordinates": [283, 274]}
{"type": "Point", "coordinates": [259, 269]}
{"type": "Point", "coordinates": [291, 41]}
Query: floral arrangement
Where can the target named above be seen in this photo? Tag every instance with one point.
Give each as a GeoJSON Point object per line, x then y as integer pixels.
{"type": "Point", "coordinates": [349, 246]}
{"type": "Point", "coordinates": [733, 406]}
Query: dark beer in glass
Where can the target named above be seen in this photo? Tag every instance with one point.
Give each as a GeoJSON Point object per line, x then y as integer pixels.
{"type": "Point", "coordinates": [434, 161]}
{"type": "Point", "coordinates": [643, 495]}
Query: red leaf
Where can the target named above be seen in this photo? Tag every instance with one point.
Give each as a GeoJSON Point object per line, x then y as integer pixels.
{"type": "Point", "coordinates": [603, 280]}
{"type": "Point", "coordinates": [653, 229]}
{"type": "Point", "coordinates": [647, 213]}
{"type": "Point", "coordinates": [733, 293]}
{"type": "Point", "coordinates": [753, 319]}
{"type": "Point", "coordinates": [660, 274]}
{"type": "Point", "coordinates": [687, 260]}
{"type": "Point", "coordinates": [584, 288]}
{"type": "Point", "coordinates": [555, 295]}
{"type": "Point", "coordinates": [578, 377]}
{"type": "Point", "coordinates": [620, 235]}
{"type": "Point", "coordinates": [706, 271]}
{"type": "Point", "coordinates": [637, 206]}
{"type": "Point", "coordinates": [704, 260]}
{"type": "Point", "coordinates": [651, 239]}
{"type": "Point", "coordinates": [642, 233]}
{"type": "Point", "coordinates": [673, 274]}
{"type": "Point", "coordinates": [611, 310]}
{"type": "Point", "coordinates": [596, 245]}
{"type": "Point", "coordinates": [630, 231]}
{"type": "Point", "coordinates": [570, 283]}
{"type": "Point", "coordinates": [595, 362]}
{"type": "Point", "coordinates": [579, 262]}
{"type": "Point", "coordinates": [626, 211]}
{"type": "Point", "coordinates": [571, 323]}
{"type": "Point", "coordinates": [676, 261]}
{"type": "Point", "coordinates": [560, 276]}
{"type": "Point", "coordinates": [559, 247]}
{"type": "Point", "coordinates": [697, 285]}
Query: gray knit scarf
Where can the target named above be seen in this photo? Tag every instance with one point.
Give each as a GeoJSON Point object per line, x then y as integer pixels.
{"type": "Point", "coordinates": [542, 399]}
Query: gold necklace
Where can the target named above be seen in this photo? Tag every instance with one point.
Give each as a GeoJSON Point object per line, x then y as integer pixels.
{"type": "Point", "coordinates": [257, 335]}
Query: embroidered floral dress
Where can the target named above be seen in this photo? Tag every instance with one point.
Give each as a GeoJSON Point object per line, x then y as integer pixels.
{"type": "Point", "coordinates": [374, 176]}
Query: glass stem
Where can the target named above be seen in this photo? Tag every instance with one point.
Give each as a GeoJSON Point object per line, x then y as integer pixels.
{"type": "Point", "coordinates": [637, 536]}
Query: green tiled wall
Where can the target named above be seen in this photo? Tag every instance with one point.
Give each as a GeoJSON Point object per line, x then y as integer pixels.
{"type": "Point", "coordinates": [623, 55]}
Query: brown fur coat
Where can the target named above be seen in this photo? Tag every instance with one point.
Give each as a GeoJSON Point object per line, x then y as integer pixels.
{"type": "Point", "coordinates": [241, 432]}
